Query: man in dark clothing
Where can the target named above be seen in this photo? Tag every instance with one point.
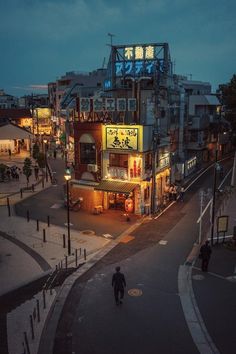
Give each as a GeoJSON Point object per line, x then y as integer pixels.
{"type": "Point", "coordinates": [118, 283]}
{"type": "Point", "coordinates": [205, 254]}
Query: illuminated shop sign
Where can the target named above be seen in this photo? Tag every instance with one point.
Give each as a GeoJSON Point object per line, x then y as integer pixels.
{"type": "Point", "coordinates": [139, 52]}
{"type": "Point", "coordinates": [138, 60]}
{"type": "Point", "coordinates": [121, 138]}
{"type": "Point", "coordinates": [191, 164]}
{"type": "Point", "coordinates": [164, 160]}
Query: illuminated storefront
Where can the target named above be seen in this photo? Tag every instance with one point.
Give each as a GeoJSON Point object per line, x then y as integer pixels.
{"type": "Point", "coordinates": [42, 121]}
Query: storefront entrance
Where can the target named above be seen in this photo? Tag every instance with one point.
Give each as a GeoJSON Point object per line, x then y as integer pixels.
{"type": "Point", "coordinates": [117, 200]}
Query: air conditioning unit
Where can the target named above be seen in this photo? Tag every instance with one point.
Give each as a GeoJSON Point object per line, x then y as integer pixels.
{"type": "Point", "coordinates": [92, 168]}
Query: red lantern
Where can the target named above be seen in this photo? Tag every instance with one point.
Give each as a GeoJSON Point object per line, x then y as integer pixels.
{"type": "Point", "coordinates": [129, 205]}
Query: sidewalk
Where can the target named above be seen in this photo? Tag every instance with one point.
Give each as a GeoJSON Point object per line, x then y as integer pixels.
{"type": "Point", "coordinates": [25, 257]}
{"type": "Point", "coordinates": [215, 290]}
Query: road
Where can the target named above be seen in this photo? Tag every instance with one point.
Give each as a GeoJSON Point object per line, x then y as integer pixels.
{"type": "Point", "coordinates": [153, 322]}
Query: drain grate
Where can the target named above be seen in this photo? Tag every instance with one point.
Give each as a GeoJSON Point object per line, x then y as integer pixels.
{"type": "Point", "coordinates": [88, 232]}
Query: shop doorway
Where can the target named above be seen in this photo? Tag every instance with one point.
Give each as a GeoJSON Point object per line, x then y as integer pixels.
{"type": "Point", "coordinates": [117, 201]}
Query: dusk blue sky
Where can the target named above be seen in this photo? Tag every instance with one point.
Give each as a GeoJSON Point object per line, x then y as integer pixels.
{"type": "Point", "coordinates": [43, 39]}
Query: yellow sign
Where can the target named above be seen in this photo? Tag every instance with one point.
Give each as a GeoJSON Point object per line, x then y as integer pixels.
{"type": "Point", "coordinates": [122, 137]}
{"type": "Point", "coordinates": [222, 223]}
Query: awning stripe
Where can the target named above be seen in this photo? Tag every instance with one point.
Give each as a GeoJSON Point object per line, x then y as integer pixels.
{"type": "Point", "coordinates": [116, 187]}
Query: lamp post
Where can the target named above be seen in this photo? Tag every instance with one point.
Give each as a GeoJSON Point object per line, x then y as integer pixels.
{"type": "Point", "coordinates": [45, 154]}
{"type": "Point", "coordinates": [67, 178]}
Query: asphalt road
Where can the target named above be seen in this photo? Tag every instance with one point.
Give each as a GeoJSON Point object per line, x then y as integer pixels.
{"type": "Point", "coordinates": [150, 323]}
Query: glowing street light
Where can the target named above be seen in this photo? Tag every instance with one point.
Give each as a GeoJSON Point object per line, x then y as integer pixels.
{"type": "Point", "coordinates": [67, 177]}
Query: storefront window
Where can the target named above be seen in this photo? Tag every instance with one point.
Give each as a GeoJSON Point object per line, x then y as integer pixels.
{"type": "Point", "coordinates": [87, 153]}
{"type": "Point", "coordinates": [118, 160]}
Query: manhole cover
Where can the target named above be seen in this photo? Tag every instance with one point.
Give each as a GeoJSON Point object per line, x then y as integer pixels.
{"type": "Point", "coordinates": [88, 232]}
{"type": "Point", "coordinates": [135, 292]}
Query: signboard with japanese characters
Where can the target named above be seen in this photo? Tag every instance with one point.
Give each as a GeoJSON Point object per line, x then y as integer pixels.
{"type": "Point", "coordinates": [121, 104]}
{"type": "Point", "coordinates": [99, 104]}
{"type": "Point", "coordinates": [85, 105]}
{"type": "Point", "coordinates": [222, 223]}
{"type": "Point", "coordinates": [138, 60]}
{"type": "Point", "coordinates": [110, 104]}
{"type": "Point", "coordinates": [122, 138]}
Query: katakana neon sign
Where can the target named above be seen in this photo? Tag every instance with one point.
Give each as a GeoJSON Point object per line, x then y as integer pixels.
{"type": "Point", "coordinates": [138, 60]}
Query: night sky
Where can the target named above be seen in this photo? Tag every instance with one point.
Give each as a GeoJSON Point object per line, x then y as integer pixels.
{"type": "Point", "coordinates": [43, 39]}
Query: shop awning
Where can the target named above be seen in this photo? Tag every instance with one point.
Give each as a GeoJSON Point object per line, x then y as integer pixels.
{"type": "Point", "coordinates": [116, 187]}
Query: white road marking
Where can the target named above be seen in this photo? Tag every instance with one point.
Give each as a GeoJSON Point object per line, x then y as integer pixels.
{"type": "Point", "coordinates": [162, 242]}
{"type": "Point", "coordinates": [56, 206]}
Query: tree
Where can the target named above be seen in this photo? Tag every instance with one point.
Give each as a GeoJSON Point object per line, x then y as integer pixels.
{"type": "Point", "coordinates": [3, 169]}
{"type": "Point", "coordinates": [35, 151]}
{"type": "Point", "coordinates": [27, 169]}
{"type": "Point", "coordinates": [41, 160]}
{"type": "Point", "coordinates": [228, 100]}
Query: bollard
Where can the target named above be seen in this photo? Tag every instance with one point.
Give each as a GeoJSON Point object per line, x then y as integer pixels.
{"type": "Point", "coordinates": [32, 187]}
{"type": "Point", "coordinates": [44, 235]}
{"type": "Point", "coordinates": [32, 327]}
{"type": "Point", "coordinates": [76, 257]}
{"type": "Point", "coordinates": [61, 264]}
{"type": "Point", "coordinates": [37, 225]}
{"type": "Point", "coordinates": [56, 267]}
{"type": "Point", "coordinates": [80, 251]}
{"type": "Point", "coordinates": [8, 207]}
{"type": "Point", "coordinates": [85, 254]}
{"type": "Point", "coordinates": [48, 220]}
{"type": "Point", "coordinates": [26, 343]}
{"type": "Point", "coordinates": [43, 182]}
{"type": "Point", "coordinates": [38, 311]}
{"type": "Point", "coordinates": [64, 241]}
{"type": "Point", "coordinates": [66, 261]}
{"type": "Point", "coordinates": [21, 193]}
{"type": "Point", "coordinates": [27, 213]}
{"type": "Point", "coordinates": [44, 299]}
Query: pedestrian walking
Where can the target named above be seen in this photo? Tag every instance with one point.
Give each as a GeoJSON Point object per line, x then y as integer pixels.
{"type": "Point", "coordinates": [171, 192]}
{"type": "Point", "coordinates": [118, 284]}
{"type": "Point", "coordinates": [181, 194]}
{"type": "Point", "coordinates": [174, 192]}
{"type": "Point", "coordinates": [205, 255]}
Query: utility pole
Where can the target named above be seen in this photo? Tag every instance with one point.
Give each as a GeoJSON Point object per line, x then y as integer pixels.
{"type": "Point", "coordinates": [155, 141]}
{"type": "Point", "coordinates": [214, 196]}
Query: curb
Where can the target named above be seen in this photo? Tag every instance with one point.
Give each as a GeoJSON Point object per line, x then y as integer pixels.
{"type": "Point", "coordinates": [46, 344]}
{"type": "Point", "coordinates": [49, 331]}
{"type": "Point", "coordinates": [192, 315]}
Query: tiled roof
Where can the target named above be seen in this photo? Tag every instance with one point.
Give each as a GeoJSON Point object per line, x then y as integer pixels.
{"type": "Point", "coordinates": [15, 113]}
{"type": "Point", "coordinates": [116, 187]}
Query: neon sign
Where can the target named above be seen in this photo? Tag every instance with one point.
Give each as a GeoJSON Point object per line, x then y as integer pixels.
{"type": "Point", "coordinates": [138, 60]}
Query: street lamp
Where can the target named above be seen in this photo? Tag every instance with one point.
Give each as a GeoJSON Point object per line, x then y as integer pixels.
{"type": "Point", "coordinates": [45, 154]}
{"type": "Point", "coordinates": [67, 178]}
